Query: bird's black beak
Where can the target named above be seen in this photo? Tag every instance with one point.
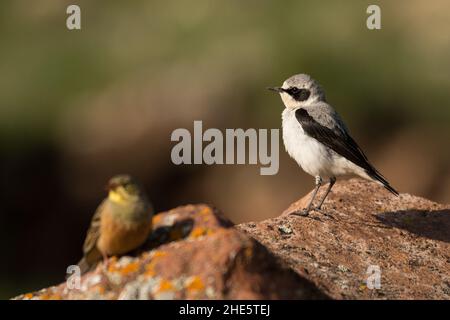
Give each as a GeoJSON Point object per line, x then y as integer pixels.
{"type": "Point", "coordinates": [276, 89]}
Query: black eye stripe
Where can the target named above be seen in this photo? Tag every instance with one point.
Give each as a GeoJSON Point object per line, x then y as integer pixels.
{"type": "Point", "coordinates": [298, 94]}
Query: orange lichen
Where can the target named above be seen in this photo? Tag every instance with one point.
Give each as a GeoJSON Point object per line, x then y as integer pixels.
{"type": "Point", "coordinates": [150, 267]}
{"type": "Point", "coordinates": [149, 270]}
{"type": "Point", "coordinates": [159, 254]}
{"type": "Point", "coordinates": [205, 211]}
{"type": "Point", "coordinates": [112, 268]}
{"type": "Point", "coordinates": [195, 283]}
{"type": "Point", "coordinates": [157, 219]}
{"type": "Point", "coordinates": [49, 296]}
{"type": "Point", "coordinates": [112, 264]}
{"type": "Point", "coordinates": [205, 214]}
{"type": "Point", "coordinates": [130, 268]}
{"type": "Point", "coordinates": [200, 231]}
{"type": "Point", "coordinates": [165, 285]}
{"type": "Point", "coordinates": [124, 270]}
{"type": "Point", "coordinates": [99, 288]}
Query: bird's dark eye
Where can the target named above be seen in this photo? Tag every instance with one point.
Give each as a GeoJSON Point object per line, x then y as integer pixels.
{"type": "Point", "coordinates": [298, 94]}
{"type": "Point", "coordinates": [293, 90]}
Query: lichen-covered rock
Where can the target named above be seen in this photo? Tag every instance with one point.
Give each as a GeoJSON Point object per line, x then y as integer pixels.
{"type": "Point", "coordinates": [365, 233]}
{"type": "Point", "coordinates": [193, 253]}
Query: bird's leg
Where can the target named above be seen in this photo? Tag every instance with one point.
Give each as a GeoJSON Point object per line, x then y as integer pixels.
{"type": "Point", "coordinates": [105, 262]}
{"type": "Point", "coordinates": [330, 185]}
{"type": "Point", "coordinates": [305, 211]}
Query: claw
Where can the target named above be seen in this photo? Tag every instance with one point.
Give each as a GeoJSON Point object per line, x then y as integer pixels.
{"type": "Point", "coordinates": [301, 213]}
{"type": "Point", "coordinates": [318, 209]}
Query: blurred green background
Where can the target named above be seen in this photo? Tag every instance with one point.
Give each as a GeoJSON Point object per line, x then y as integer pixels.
{"type": "Point", "coordinates": [77, 107]}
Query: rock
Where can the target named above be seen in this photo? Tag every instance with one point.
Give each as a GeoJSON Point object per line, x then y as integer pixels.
{"type": "Point", "coordinates": [365, 235]}
{"type": "Point", "coordinates": [193, 253]}
{"type": "Point", "coordinates": [366, 230]}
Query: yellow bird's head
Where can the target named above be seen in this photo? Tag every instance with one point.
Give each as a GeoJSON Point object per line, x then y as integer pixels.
{"type": "Point", "coordinates": [124, 188]}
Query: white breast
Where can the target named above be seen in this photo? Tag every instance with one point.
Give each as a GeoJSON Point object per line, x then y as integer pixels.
{"type": "Point", "coordinates": [314, 157]}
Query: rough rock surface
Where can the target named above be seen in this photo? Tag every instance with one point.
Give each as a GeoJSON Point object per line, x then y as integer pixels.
{"type": "Point", "coordinates": [407, 237]}
{"type": "Point", "coordinates": [193, 253]}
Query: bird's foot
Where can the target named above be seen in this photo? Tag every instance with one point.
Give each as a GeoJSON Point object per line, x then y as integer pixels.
{"type": "Point", "coordinates": [105, 264]}
{"type": "Point", "coordinates": [320, 210]}
{"type": "Point", "coordinates": [300, 212]}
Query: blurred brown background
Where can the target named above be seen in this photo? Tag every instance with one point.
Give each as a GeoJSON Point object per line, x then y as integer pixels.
{"type": "Point", "coordinates": [77, 107]}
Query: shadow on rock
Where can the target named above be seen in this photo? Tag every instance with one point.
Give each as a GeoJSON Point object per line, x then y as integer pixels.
{"type": "Point", "coordinates": [434, 224]}
{"type": "Point", "coordinates": [165, 234]}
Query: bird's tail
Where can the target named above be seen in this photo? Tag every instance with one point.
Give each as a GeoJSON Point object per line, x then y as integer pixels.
{"type": "Point", "coordinates": [85, 266]}
{"type": "Point", "coordinates": [374, 174]}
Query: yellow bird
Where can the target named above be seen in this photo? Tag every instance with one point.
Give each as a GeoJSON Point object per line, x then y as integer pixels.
{"type": "Point", "coordinates": [120, 224]}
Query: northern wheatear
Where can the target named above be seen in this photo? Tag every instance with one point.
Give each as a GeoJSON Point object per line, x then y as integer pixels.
{"type": "Point", "coordinates": [315, 136]}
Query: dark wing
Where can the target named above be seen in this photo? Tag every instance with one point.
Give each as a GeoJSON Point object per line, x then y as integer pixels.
{"type": "Point", "coordinates": [91, 255]}
{"type": "Point", "coordinates": [341, 143]}
{"type": "Point", "coordinates": [93, 232]}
